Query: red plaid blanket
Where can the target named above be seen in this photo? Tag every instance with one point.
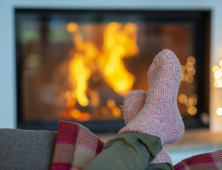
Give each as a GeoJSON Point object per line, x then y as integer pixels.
{"type": "Point", "coordinates": [206, 161]}
{"type": "Point", "coordinates": [76, 146]}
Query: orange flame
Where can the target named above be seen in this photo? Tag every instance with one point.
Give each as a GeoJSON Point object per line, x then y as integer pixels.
{"type": "Point", "coordinates": [119, 42]}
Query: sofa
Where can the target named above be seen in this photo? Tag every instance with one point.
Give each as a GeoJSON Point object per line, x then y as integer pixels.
{"type": "Point", "coordinates": [34, 150]}
{"type": "Point", "coordinates": [26, 149]}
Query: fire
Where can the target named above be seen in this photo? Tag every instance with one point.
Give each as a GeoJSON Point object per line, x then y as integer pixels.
{"type": "Point", "coordinates": [79, 75]}
{"type": "Point", "coordinates": [119, 42]}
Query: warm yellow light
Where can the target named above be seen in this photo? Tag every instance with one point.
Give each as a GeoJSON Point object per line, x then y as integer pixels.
{"type": "Point", "coordinates": [187, 103]}
{"type": "Point", "coordinates": [189, 80]}
{"type": "Point", "coordinates": [71, 103]}
{"type": "Point", "coordinates": [191, 71]}
{"type": "Point", "coordinates": [94, 96]}
{"type": "Point", "coordinates": [130, 28]}
{"type": "Point", "coordinates": [186, 76]}
{"type": "Point", "coordinates": [188, 65]}
{"type": "Point", "coordinates": [219, 111]}
{"type": "Point", "coordinates": [78, 39]}
{"type": "Point", "coordinates": [75, 113]}
{"type": "Point", "coordinates": [220, 63]}
{"type": "Point", "coordinates": [116, 112]}
{"type": "Point", "coordinates": [217, 74]}
{"type": "Point", "coordinates": [191, 60]}
{"type": "Point", "coordinates": [192, 110]}
{"type": "Point", "coordinates": [183, 68]}
{"type": "Point", "coordinates": [111, 103]}
{"type": "Point", "coordinates": [194, 100]}
{"type": "Point", "coordinates": [119, 43]}
{"type": "Point", "coordinates": [79, 74]}
{"type": "Point", "coordinates": [71, 27]}
{"type": "Point", "coordinates": [218, 82]}
{"type": "Point", "coordinates": [215, 84]}
{"type": "Point", "coordinates": [182, 77]}
{"type": "Point", "coordinates": [191, 102]}
{"type": "Point", "coordinates": [215, 68]}
{"type": "Point", "coordinates": [84, 117]}
{"type": "Point", "coordinates": [182, 98]}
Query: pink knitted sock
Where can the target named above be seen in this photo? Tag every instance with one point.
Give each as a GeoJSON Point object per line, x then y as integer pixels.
{"type": "Point", "coordinates": [160, 116]}
{"type": "Point", "coordinates": [133, 104]}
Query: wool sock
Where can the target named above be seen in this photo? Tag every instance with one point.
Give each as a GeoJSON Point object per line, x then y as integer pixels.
{"type": "Point", "coordinates": [133, 104]}
{"type": "Point", "coordinates": [160, 116]}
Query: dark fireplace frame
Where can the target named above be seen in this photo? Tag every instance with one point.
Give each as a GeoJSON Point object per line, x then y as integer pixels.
{"type": "Point", "coordinates": [201, 19]}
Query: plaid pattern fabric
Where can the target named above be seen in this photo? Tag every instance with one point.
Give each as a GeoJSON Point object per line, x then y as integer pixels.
{"type": "Point", "coordinates": [76, 146]}
{"type": "Point", "coordinates": [206, 161]}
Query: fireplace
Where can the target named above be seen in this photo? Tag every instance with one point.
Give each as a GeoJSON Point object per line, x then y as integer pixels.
{"type": "Point", "coordinates": [78, 65]}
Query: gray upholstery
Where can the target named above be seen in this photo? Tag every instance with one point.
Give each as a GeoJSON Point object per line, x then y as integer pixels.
{"type": "Point", "coordinates": [26, 149]}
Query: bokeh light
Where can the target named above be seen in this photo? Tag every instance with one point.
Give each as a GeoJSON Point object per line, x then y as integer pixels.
{"type": "Point", "coordinates": [183, 69]}
{"type": "Point", "coordinates": [111, 103]}
{"type": "Point", "coordinates": [215, 68]}
{"type": "Point", "coordinates": [117, 112]}
{"type": "Point", "coordinates": [192, 110]}
{"type": "Point", "coordinates": [71, 27]}
{"type": "Point", "coordinates": [182, 98]}
{"type": "Point", "coordinates": [191, 60]}
{"type": "Point", "coordinates": [219, 111]}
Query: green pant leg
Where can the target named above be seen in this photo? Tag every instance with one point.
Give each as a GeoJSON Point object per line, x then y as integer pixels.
{"type": "Point", "coordinates": [160, 166]}
{"type": "Point", "coordinates": [128, 151]}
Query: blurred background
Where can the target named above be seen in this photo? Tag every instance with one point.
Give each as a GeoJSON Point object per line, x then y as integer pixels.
{"type": "Point", "coordinates": [78, 65]}
{"type": "Point", "coordinates": [77, 60]}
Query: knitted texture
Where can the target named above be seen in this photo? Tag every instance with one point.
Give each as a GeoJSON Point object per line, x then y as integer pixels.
{"type": "Point", "coordinates": [206, 161]}
{"type": "Point", "coordinates": [76, 146]}
{"type": "Point", "coordinates": [133, 104]}
{"type": "Point", "coordinates": [160, 116]}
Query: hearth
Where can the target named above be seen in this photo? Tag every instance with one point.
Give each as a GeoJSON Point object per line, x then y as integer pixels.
{"type": "Point", "coordinates": [78, 65]}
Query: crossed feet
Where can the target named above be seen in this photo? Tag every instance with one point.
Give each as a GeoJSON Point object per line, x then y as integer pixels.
{"type": "Point", "coordinates": [156, 112]}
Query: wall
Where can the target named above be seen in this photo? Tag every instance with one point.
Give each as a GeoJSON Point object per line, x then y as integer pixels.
{"type": "Point", "coordinates": [7, 46]}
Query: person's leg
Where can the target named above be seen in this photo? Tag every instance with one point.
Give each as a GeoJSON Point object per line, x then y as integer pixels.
{"type": "Point", "coordinates": [128, 151]}
{"type": "Point", "coordinates": [133, 104]}
{"type": "Point", "coordinates": [160, 166]}
{"type": "Point", "coordinates": [159, 117]}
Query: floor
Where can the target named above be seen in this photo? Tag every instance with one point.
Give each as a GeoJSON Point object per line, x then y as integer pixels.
{"type": "Point", "coordinates": [192, 143]}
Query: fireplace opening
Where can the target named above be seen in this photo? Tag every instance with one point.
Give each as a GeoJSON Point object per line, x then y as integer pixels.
{"type": "Point", "coordinates": [78, 65]}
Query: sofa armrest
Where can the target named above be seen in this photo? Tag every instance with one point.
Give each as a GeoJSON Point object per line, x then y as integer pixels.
{"type": "Point", "coordinates": [26, 149]}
